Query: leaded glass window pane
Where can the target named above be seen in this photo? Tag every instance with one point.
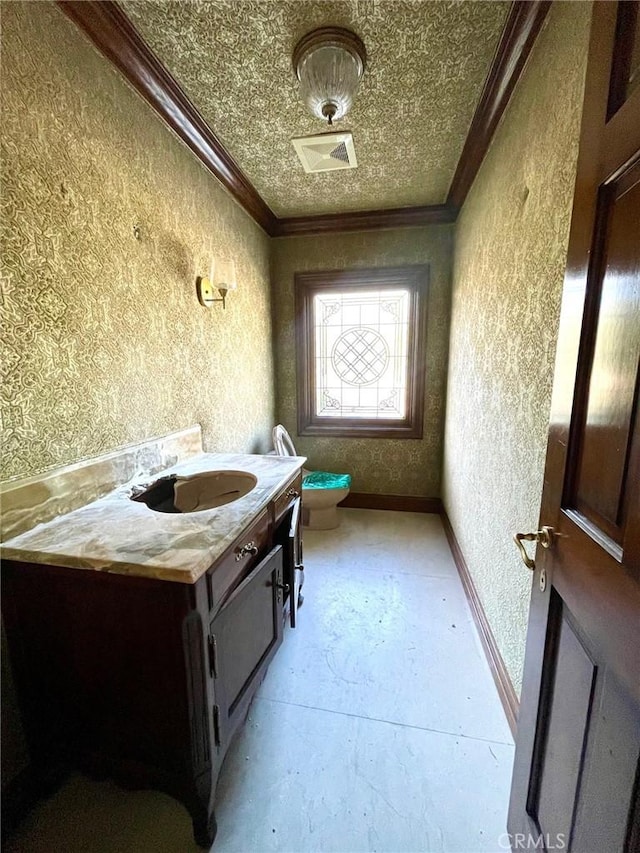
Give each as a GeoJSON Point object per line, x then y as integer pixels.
{"type": "Point", "coordinates": [361, 353]}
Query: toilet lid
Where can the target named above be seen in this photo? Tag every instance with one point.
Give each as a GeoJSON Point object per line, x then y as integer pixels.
{"type": "Point", "coordinates": [282, 442]}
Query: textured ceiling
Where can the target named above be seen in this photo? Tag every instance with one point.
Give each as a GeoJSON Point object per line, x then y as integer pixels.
{"type": "Point", "coordinates": [427, 62]}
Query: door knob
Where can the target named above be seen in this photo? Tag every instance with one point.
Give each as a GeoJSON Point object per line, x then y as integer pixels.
{"type": "Point", "coordinates": [544, 537]}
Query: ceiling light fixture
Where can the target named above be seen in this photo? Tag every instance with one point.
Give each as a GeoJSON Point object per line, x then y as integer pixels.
{"type": "Point", "coordinates": [329, 63]}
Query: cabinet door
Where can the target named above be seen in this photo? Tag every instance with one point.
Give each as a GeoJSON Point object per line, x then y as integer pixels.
{"type": "Point", "coordinates": [244, 637]}
{"type": "Point", "coordinates": [294, 569]}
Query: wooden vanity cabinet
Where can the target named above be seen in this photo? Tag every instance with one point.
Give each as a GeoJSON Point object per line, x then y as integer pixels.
{"type": "Point", "coordinates": [148, 680]}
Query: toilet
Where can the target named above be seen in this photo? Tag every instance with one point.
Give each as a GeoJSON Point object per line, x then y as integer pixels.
{"type": "Point", "coordinates": [321, 491]}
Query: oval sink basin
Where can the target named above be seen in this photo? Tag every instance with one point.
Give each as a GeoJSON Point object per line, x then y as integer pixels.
{"type": "Point", "coordinates": [197, 492]}
{"type": "Point", "coordinates": [211, 489]}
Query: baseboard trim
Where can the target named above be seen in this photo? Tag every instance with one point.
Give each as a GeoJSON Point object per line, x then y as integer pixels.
{"type": "Point", "coordinates": [507, 694]}
{"type": "Point", "coordinates": [399, 503]}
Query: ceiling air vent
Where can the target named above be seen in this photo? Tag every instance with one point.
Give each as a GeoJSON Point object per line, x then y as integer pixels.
{"type": "Point", "coordinates": [326, 152]}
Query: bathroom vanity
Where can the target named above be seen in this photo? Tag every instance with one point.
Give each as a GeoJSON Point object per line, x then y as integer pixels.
{"type": "Point", "coordinates": [138, 638]}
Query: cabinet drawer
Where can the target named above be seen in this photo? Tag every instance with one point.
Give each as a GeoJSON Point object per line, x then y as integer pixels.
{"type": "Point", "coordinates": [287, 496]}
{"type": "Point", "coordinates": [233, 568]}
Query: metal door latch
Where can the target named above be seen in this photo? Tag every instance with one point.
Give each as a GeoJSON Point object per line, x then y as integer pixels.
{"type": "Point", "coordinates": [544, 537]}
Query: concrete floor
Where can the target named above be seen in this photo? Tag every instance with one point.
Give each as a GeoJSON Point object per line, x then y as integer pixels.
{"type": "Point", "coordinates": [377, 728]}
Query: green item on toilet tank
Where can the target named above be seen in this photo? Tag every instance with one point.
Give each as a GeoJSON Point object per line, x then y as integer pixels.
{"type": "Point", "coordinates": [325, 480]}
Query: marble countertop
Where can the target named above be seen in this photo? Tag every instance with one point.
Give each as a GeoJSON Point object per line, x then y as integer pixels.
{"type": "Point", "coordinates": [115, 534]}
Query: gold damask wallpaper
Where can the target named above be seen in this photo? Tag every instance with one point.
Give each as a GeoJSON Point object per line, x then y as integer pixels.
{"type": "Point", "coordinates": [510, 253]}
{"type": "Point", "coordinates": [378, 466]}
{"type": "Point", "coordinates": [103, 339]}
{"type": "Point", "coordinates": [427, 62]}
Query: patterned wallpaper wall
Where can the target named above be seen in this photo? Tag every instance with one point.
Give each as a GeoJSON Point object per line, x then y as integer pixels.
{"type": "Point", "coordinates": [382, 466]}
{"type": "Point", "coordinates": [103, 340]}
{"type": "Point", "coordinates": [510, 252]}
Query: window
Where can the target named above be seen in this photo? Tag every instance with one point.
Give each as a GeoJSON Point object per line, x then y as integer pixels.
{"type": "Point", "coordinates": [360, 338]}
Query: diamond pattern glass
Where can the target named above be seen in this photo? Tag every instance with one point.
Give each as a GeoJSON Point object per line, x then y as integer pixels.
{"type": "Point", "coordinates": [361, 353]}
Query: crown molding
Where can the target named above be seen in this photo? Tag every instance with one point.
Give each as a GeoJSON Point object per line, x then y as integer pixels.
{"type": "Point", "coordinates": [520, 31]}
{"type": "Point", "coordinates": [364, 220]}
{"type": "Point", "coordinates": [114, 35]}
{"type": "Point", "coordinates": [117, 39]}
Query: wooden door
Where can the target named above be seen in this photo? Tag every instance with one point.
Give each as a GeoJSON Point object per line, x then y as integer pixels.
{"type": "Point", "coordinates": [576, 783]}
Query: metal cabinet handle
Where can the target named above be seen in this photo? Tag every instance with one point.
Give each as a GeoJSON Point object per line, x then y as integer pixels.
{"type": "Point", "coordinates": [249, 548]}
{"type": "Point", "coordinates": [544, 537]}
{"type": "Point", "coordinates": [292, 493]}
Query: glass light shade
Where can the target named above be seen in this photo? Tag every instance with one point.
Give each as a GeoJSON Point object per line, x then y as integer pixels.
{"type": "Point", "coordinates": [223, 275]}
{"type": "Point", "coordinates": [329, 63]}
{"type": "Point", "coordinates": [329, 79]}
